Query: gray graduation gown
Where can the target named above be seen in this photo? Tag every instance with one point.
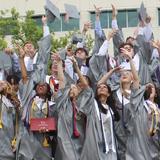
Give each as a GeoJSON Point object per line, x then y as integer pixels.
{"type": "Point", "coordinates": [121, 130]}
{"type": "Point", "coordinates": [118, 39]}
{"type": "Point", "coordinates": [95, 62]}
{"type": "Point", "coordinates": [30, 145]}
{"type": "Point", "coordinates": [70, 148]}
{"type": "Point", "coordinates": [7, 132]}
{"type": "Point", "coordinates": [140, 145]}
{"type": "Point", "coordinates": [93, 144]}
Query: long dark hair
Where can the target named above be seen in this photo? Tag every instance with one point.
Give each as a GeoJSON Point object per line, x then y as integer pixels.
{"type": "Point", "coordinates": [110, 102]}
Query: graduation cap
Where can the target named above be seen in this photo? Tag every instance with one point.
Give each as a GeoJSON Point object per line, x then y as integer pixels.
{"type": "Point", "coordinates": [52, 11]}
{"type": "Point", "coordinates": [142, 12]}
{"type": "Point", "coordinates": [82, 46]}
{"type": "Point", "coordinates": [72, 11]}
{"type": "Point", "coordinates": [76, 38]}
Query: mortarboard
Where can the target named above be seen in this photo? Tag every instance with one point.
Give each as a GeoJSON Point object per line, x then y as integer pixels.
{"type": "Point", "coordinates": [142, 12]}
{"type": "Point", "coordinates": [52, 11]}
{"type": "Point", "coordinates": [72, 11]}
{"type": "Point", "coordinates": [76, 38]}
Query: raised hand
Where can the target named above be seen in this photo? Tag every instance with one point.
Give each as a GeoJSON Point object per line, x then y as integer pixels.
{"type": "Point", "coordinates": [148, 19]}
{"type": "Point", "coordinates": [20, 51]}
{"type": "Point", "coordinates": [44, 20]}
{"type": "Point", "coordinates": [74, 61]}
{"type": "Point", "coordinates": [127, 53]}
{"type": "Point", "coordinates": [111, 34]}
{"type": "Point", "coordinates": [8, 51]}
{"type": "Point", "coordinates": [87, 26]}
{"type": "Point", "coordinates": [55, 57]}
{"type": "Point", "coordinates": [155, 44]}
{"type": "Point", "coordinates": [97, 10]}
{"type": "Point", "coordinates": [114, 12]}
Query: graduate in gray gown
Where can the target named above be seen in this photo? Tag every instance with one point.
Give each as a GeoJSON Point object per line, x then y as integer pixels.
{"type": "Point", "coordinates": [9, 115]}
{"type": "Point", "coordinates": [74, 106]}
{"type": "Point", "coordinates": [144, 142]}
{"type": "Point", "coordinates": [107, 115]}
{"type": "Point", "coordinates": [128, 80]}
{"type": "Point", "coordinates": [95, 65]}
{"type": "Point", "coordinates": [142, 48]}
{"type": "Point", "coordinates": [36, 104]}
{"type": "Point", "coordinates": [142, 131]}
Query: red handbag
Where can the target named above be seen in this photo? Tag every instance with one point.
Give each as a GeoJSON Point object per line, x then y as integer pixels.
{"type": "Point", "coordinates": [43, 124]}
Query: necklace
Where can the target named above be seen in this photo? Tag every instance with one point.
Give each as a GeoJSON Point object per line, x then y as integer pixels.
{"type": "Point", "coordinates": [43, 108]}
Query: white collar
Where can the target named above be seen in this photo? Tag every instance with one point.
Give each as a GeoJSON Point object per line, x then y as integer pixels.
{"type": "Point", "coordinates": [119, 95]}
{"type": "Point", "coordinates": [105, 106]}
{"type": "Point", "coordinates": [126, 65]}
{"type": "Point", "coordinates": [111, 126]}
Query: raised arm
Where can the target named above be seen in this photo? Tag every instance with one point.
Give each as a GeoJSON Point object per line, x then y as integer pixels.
{"type": "Point", "coordinates": [22, 65]}
{"type": "Point", "coordinates": [127, 54]}
{"type": "Point", "coordinates": [100, 36]}
{"type": "Point", "coordinates": [81, 77]}
{"type": "Point", "coordinates": [98, 28]}
{"type": "Point", "coordinates": [104, 48]}
{"type": "Point", "coordinates": [46, 31]}
{"type": "Point", "coordinates": [114, 17]}
{"type": "Point", "coordinates": [118, 38]}
{"type": "Point", "coordinates": [60, 76]}
{"type": "Point", "coordinates": [108, 75]}
{"type": "Point", "coordinates": [144, 36]}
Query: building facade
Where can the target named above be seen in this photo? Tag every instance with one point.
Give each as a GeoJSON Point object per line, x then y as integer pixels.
{"type": "Point", "coordinates": [127, 13]}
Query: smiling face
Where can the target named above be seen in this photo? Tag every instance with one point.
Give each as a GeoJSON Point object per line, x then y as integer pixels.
{"type": "Point", "coordinates": [41, 89]}
{"type": "Point", "coordinates": [29, 48]}
{"type": "Point", "coordinates": [102, 90]}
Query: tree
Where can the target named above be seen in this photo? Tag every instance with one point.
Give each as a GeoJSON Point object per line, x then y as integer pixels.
{"type": "Point", "coordinates": [25, 29]}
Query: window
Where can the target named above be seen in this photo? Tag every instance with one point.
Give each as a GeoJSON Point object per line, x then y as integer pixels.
{"type": "Point", "coordinates": [132, 18]}
{"type": "Point", "coordinates": [72, 24]}
{"type": "Point", "coordinates": [125, 18]}
{"type": "Point", "coordinates": [59, 24]}
{"type": "Point", "coordinates": [122, 19]}
{"type": "Point", "coordinates": [105, 18]}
